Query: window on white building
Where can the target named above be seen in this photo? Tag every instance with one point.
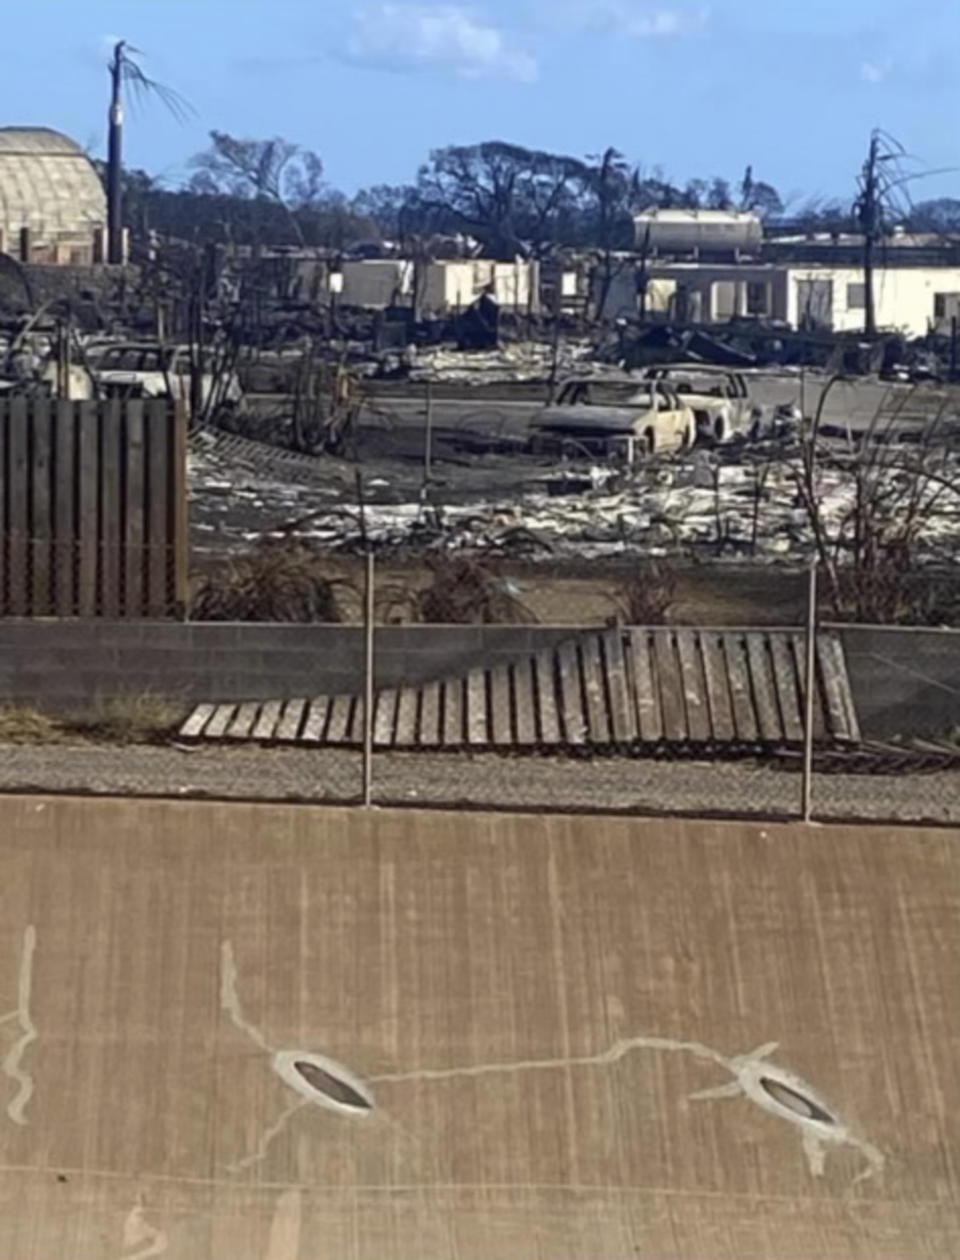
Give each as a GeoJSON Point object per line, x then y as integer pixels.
{"type": "Point", "coordinates": [758, 297]}
{"type": "Point", "coordinates": [856, 297]}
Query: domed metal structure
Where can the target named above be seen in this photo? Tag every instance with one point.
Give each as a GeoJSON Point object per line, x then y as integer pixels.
{"type": "Point", "coordinates": [49, 186]}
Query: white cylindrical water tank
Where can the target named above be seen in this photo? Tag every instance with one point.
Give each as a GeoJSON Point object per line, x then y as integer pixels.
{"type": "Point", "coordinates": [684, 231]}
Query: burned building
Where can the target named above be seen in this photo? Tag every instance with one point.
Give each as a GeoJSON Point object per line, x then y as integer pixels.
{"type": "Point", "coordinates": [53, 208]}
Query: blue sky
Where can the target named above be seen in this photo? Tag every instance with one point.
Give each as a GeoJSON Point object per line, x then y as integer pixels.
{"type": "Point", "coordinates": [695, 87]}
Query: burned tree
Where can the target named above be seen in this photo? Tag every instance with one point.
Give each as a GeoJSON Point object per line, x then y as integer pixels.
{"type": "Point", "coordinates": [875, 551]}
{"type": "Point", "coordinates": [273, 170]}
{"type": "Point", "coordinates": [513, 199]}
{"type": "Point", "coordinates": [614, 192]}
{"type": "Point", "coordinates": [758, 196]}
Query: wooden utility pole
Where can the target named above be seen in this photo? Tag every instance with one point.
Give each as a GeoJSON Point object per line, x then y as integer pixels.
{"type": "Point", "coordinates": [115, 160]}
{"type": "Point", "coordinates": [870, 218]}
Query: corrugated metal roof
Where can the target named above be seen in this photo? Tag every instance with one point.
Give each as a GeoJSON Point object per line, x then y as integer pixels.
{"type": "Point", "coordinates": [619, 688]}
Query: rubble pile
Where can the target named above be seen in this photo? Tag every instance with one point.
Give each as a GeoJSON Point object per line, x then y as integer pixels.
{"type": "Point", "coordinates": [520, 362]}
{"type": "Point", "coordinates": [735, 508]}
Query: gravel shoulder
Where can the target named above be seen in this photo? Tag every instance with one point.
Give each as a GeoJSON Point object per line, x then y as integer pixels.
{"type": "Point", "coordinates": [555, 785]}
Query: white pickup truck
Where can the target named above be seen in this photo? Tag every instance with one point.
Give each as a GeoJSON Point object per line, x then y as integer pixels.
{"type": "Point", "coordinates": [624, 419]}
{"type": "Point", "coordinates": [719, 398]}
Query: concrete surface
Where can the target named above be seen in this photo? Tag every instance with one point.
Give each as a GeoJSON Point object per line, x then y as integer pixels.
{"type": "Point", "coordinates": [574, 1032]}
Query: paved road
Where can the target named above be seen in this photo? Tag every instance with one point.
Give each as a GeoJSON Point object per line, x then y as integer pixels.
{"type": "Point", "coordinates": [855, 403]}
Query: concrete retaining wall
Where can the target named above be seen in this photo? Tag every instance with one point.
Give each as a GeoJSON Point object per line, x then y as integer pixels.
{"type": "Point", "coordinates": [59, 665]}
{"type": "Point", "coordinates": [905, 681]}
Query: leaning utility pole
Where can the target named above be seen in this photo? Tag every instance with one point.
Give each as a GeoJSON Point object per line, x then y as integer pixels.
{"type": "Point", "coordinates": [869, 216]}
{"type": "Point", "coordinates": [115, 160]}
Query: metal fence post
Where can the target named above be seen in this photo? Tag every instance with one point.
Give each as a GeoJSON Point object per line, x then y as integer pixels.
{"type": "Point", "coordinates": [368, 691]}
{"type": "Point", "coordinates": [810, 683]}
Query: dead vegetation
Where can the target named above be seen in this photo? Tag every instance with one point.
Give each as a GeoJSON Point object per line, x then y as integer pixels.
{"type": "Point", "coordinates": [462, 591]}
{"type": "Point", "coordinates": [20, 724]}
{"type": "Point", "coordinates": [277, 580]}
{"type": "Point", "coordinates": [871, 559]}
{"type": "Point", "coordinates": [142, 717]}
{"type": "Point", "coordinates": [647, 594]}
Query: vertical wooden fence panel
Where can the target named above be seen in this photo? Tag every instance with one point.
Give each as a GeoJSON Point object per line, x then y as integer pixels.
{"type": "Point", "coordinates": [40, 508]}
{"type": "Point", "coordinates": [111, 535]}
{"type": "Point", "coordinates": [133, 512]}
{"type": "Point", "coordinates": [64, 511]}
{"type": "Point", "coordinates": [4, 538]}
{"type": "Point", "coordinates": [88, 507]}
{"type": "Point", "coordinates": [158, 523]}
{"type": "Point", "coordinates": [180, 512]}
{"type": "Point", "coordinates": [93, 509]}
{"type": "Point", "coordinates": [17, 487]}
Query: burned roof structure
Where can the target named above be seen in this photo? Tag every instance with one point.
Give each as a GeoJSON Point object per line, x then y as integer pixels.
{"type": "Point", "coordinates": [49, 187]}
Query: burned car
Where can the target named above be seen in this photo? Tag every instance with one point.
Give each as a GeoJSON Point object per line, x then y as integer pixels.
{"type": "Point", "coordinates": [719, 398]}
{"type": "Point", "coordinates": [625, 420]}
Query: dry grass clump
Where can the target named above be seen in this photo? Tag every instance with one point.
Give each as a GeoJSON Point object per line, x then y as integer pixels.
{"type": "Point", "coordinates": [139, 717]}
{"type": "Point", "coordinates": [20, 724]}
{"type": "Point", "coordinates": [136, 718]}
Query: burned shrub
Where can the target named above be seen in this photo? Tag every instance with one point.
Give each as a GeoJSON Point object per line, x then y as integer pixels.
{"type": "Point", "coordinates": [646, 594]}
{"type": "Point", "coordinates": [466, 591]}
{"type": "Point", "coordinates": [277, 580]}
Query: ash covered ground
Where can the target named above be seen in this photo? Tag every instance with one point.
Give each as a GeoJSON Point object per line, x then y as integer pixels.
{"type": "Point", "coordinates": [485, 493]}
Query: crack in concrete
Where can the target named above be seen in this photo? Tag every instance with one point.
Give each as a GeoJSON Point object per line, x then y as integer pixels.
{"type": "Point", "coordinates": [267, 1138]}
{"type": "Point", "coordinates": [11, 1064]}
{"type": "Point", "coordinates": [748, 1071]}
{"type": "Point", "coordinates": [230, 999]}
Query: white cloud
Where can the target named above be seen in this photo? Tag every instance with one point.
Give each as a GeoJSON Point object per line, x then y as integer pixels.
{"type": "Point", "coordinates": [411, 37]}
{"type": "Point", "coordinates": [875, 71]}
{"type": "Point", "coordinates": [638, 19]}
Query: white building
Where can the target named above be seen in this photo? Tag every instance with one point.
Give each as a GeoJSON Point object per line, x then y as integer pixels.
{"type": "Point", "coordinates": [454, 285]}
{"type": "Point", "coordinates": [908, 300]}
{"type": "Point", "coordinates": [444, 286]}
{"type": "Point", "coordinates": [376, 282]}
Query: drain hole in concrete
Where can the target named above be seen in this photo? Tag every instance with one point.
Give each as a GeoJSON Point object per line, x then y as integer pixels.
{"type": "Point", "coordinates": [331, 1086]}
{"type": "Point", "coordinates": [799, 1104]}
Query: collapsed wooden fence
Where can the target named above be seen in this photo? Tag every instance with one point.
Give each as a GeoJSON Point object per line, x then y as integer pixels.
{"type": "Point", "coordinates": [620, 688]}
{"type": "Point", "coordinates": [93, 508]}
